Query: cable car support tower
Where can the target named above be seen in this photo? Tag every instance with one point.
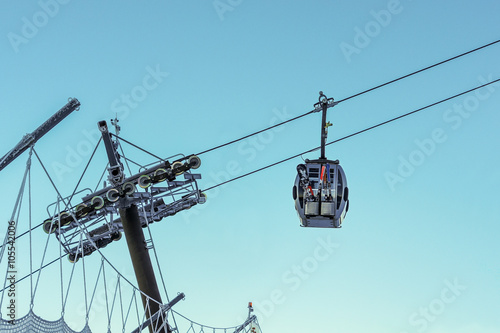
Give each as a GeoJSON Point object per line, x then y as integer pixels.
{"type": "Point", "coordinates": [136, 242]}
{"type": "Point", "coordinates": [78, 231]}
{"type": "Point", "coordinates": [101, 216]}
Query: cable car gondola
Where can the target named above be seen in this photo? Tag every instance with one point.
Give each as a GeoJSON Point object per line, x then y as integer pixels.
{"type": "Point", "coordinates": [320, 191]}
{"type": "Point", "coordinates": [321, 194]}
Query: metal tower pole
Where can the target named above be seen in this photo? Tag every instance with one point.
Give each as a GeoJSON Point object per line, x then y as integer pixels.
{"type": "Point", "coordinates": [141, 261]}
{"type": "Point", "coordinates": [134, 235]}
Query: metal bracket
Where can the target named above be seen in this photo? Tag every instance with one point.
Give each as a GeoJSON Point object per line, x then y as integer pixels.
{"type": "Point", "coordinates": [149, 244]}
{"type": "Point", "coordinates": [163, 309]}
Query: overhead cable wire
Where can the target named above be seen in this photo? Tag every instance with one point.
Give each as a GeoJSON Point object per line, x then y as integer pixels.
{"type": "Point", "coordinates": [329, 143]}
{"type": "Point", "coordinates": [316, 110]}
{"type": "Point", "coordinates": [35, 271]}
{"type": "Point", "coordinates": [419, 71]}
{"type": "Point", "coordinates": [255, 133]}
{"type": "Point", "coordinates": [203, 326]}
{"type": "Point", "coordinates": [353, 134]}
{"type": "Point", "coordinates": [307, 113]}
{"type": "Point", "coordinates": [353, 96]}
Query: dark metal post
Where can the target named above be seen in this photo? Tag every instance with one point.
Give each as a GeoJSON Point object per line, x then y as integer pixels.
{"type": "Point", "coordinates": [324, 106]}
{"type": "Point", "coordinates": [115, 167]}
{"type": "Point", "coordinates": [141, 261]}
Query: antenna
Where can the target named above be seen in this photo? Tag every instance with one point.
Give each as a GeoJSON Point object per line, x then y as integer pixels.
{"type": "Point", "coordinates": [114, 122]}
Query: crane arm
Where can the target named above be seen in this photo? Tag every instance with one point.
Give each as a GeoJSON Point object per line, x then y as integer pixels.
{"type": "Point", "coordinates": [29, 139]}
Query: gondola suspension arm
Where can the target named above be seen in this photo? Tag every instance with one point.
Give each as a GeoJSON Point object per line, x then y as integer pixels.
{"type": "Point", "coordinates": [323, 105]}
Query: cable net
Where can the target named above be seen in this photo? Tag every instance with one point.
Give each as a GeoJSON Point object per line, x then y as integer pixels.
{"type": "Point", "coordinates": [31, 323]}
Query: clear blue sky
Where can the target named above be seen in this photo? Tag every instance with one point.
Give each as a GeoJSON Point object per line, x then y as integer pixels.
{"type": "Point", "coordinates": [419, 248]}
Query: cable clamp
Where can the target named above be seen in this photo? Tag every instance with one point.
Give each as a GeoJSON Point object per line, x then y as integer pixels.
{"type": "Point", "coordinates": [324, 100]}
